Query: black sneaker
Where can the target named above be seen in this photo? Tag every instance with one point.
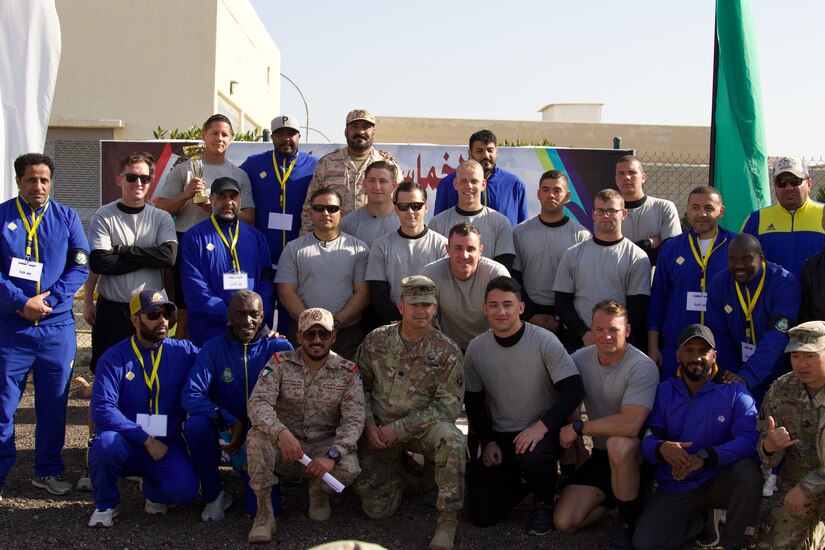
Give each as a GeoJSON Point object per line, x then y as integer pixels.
{"type": "Point", "coordinates": [710, 530]}
{"type": "Point", "coordinates": [622, 540]}
{"type": "Point", "coordinates": [541, 519]}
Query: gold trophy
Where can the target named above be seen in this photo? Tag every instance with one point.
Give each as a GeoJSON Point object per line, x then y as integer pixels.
{"type": "Point", "coordinates": [195, 155]}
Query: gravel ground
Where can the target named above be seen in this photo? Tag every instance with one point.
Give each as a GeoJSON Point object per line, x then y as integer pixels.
{"type": "Point", "coordinates": [32, 518]}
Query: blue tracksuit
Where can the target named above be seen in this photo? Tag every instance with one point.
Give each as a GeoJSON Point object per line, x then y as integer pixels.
{"type": "Point", "coordinates": [719, 417]}
{"type": "Point", "coordinates": [505, 193]}
{"type": "Point", "coordinates": [119, 393]}
{"type": "Point", "coordinates": [204, 260]}
{"type": "Point", "coordinates": [223, 376]}
{"type": "Point", "coordinates": [677, 273]}
{"type": "Point", "coordinates": [775, 312]}
{"type": "Point", "coordinates": [46, 348]}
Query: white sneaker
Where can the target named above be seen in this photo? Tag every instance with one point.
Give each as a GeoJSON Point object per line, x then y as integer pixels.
{"type": "Point", "coordinates": [85, 482]}
{"type": "Point", "coordinates": [215, 510]}
{"type": "Point", "coordinates": [155, 508]}
{"type": "Point", "coordinates": [769, 488]}
{"type": "Point", "coordinates": [103, 518]}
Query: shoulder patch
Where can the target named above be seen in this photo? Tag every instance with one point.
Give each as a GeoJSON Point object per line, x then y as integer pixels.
{"type": "Point", "coordinates": [266, 371]}
{"type": "Point", "coordinates": [459, 380]}
{"type": "Point", "coordinates": [783, 324]}
{"type": "Point", "coordinates": [80, 257]}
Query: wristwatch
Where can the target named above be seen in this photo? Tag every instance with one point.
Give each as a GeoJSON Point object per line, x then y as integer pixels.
{"type": "Point", "coordinates": [703, 454]}
{"type": "Point", "coordinates": [334, 455]}
{"type": "Point", "coordinates": [578, 427]}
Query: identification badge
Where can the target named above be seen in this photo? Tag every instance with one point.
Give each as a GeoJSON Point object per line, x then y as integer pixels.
{"type": "Point", "coordinates": [282, 222]}
{"type": "Point", "coordinates": [235, 281]}
{"type": "Point", "coordinates": [697, 301]}
{"type": "Point", "coordinates": [747, 351]}
{"type": "Point", "coordinates": [153, 424]}
{"type": "Point", "coordinates": [23, 269]}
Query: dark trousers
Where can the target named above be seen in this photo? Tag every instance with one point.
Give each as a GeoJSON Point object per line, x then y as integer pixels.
{"type": "Point", "coordinates": [493, 491]}
{"type": "Point", "coordinates": [672, 519]}
{"type": "Point", "coordinates": [112, 325]}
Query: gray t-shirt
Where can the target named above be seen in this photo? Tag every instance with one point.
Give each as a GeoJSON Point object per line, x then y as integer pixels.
{"type": "Point", "coordinates": [594, 272]}
{"type": "Point", "coordinates": [518, 380]}
{"type": "Point", "coordinates": [191, 213]}
{"type": "Point", "coordinates": [323, 270]}
{"type": "Point", "coordinates": [496, 231]}
{"type": "Point", "coordinates": [631, 381]}
{"type": "Point", "coordinates": [654, 218]}
{"type": "Point", "coordinates": [110, 226]}
{"type": "Point", "coordinates": [460, 303]}
{"type": "Point", "coordinates": [539, 248]}
{"type": "Point", "coordinates": [368, 228]}
{"type": "Point", "coordinates": [393, 257]}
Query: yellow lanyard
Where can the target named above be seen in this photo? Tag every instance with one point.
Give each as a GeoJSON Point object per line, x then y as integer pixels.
{"type": "Point", "coordinates": [152, 380]}
{"type": "Point", "coordinates": [748, 307]}
{"type": "Point", "coordinates": [233, 253]}
{"type": "Point", "coordinates": [282, 180]}
{"type": "Point", "coordinates": [31, 230]}
{"type": "Point", "coordinates": [703, 263]}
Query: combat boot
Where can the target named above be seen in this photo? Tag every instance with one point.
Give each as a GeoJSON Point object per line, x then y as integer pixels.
{"type": "Point", "coordinates": [444, 531]}
{"type": "Point", "coordinates": [265, 524]}
{"type": "Point", "coordinates": [319, 509]}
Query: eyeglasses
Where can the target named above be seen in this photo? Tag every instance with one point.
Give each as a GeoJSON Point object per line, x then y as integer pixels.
{"type": "Point", "coordinates": [132, 178]}
{"type": "Point", "coordinates": [331, 208]}
{"type": "Point", "coordinates": [605, 211]}
{"type": "Point", "coordinates": [404, 206]}
{"type": "Point", "coordinates": [794, 182]}
{"type": "Point", "coordinates": [309, 335]}
{"type": "Point", "coordinates": [155, 315]}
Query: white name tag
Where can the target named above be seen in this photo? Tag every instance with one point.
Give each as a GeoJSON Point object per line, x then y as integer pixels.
{"type": "Point", "coordinates": [747, 351]}
{"type": "Point", "coordinates": [697, 301]}
{"type": "Point", "coordinates": [235, 281]}
{"type": "Point", "coordinates": [282, 222]}
{"type": "Point", "coordinates": [23, 269]}
{"type": "Point", "coordinates": [153, 424]}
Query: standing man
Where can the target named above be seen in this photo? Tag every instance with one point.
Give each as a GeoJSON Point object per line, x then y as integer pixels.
{"type": "Point", "coordinates": [790, 231]}
{"type": "Point", "coordinates": [307, 402]}
{"type": "Point", "coordinates": [529, 401]}
{"type": "Point", "coordinates": [813, 291]}
{"type": "Point", "coordinates": [540, 243]}
{"type": "Point", "coordinates": [619, 390]}
{"type": "Point", "coordinates": [505, 192]}
{"type": "Point", "coordinates": [217, 392]}
{"type": "Point", "coordinates": [496, 233]}
{"type": "Point", "coordinates": [790, 424]}
{"type": "Point", "coordinates": [44, 255]}
{"type": "Point", "coordinates": [608, 266]}
{"type": "Point", "coordinates": [402, 253]}
{"type": "Point", "coordinates": [344, 170]}
{"type": "Point", "coordinates": [326, 268]}
{"type": "Point", "coordinates": [460, 282]}
{"type": "Point", "coordinates": [376, 218]}
{"type": "Point", "coordinates": [650, 221]}
{"type": "Point", "coordinates": [701, 465]}
{"type": "Point", "coordinates": [413, 384]}
{"type": "Point", "coordinates": [138, 415]}
{"type": "Point", "coordinates": [686, 265]}
{"type": "Point", "coordinates": [220, 256]}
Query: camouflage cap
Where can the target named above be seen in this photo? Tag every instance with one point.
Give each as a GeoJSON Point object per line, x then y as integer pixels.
{"type": "Point", "coordinates": [360, 114]}
{"type": "Point", "coordinates": [418, 289]}
{"type": "Point", "coordinates": [315, 316]}
{"type": "Point", "coordinates": [808, 336]}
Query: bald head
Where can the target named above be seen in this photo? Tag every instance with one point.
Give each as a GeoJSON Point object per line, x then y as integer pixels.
{"type": "Point", "coordinates": [745, 257]}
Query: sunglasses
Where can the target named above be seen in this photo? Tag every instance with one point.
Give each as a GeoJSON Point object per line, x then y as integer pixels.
{"type": "Point", "coordinates": [404, 206]}
{"type": "Point", "coordinates": [132, 178]}
{"type": "Point", "coordinates": [155, 315]}
{"type": "Point", "coordinates": [323, 334]}
{"type": "Point", "coordinates": [331, 208]}
{"type": "Point", "coordinates": [793, 182]}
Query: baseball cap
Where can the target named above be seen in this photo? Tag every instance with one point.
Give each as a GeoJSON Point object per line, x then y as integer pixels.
{"type": "Point", "coordinates": [696, 331]}
{"type": "Point", "coordinates": [360, 114]}
{"type": "Point", "coordinates": [224, 183]}
{"type": "Point", "coordinates": [285, 121]}
{"type": "Point", "coordinates": [148, 300]}
{"type": "Point", "coordinates": [794, 165]}
{"type": "Point", "coordinates": [808, 336]}
{"type": "Point", "coordinates": [418, 289]}
{"type": "Point", "coordinates": [315, 316]}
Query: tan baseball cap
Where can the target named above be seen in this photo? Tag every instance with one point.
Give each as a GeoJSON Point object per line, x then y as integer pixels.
{"type": "Point", "coordinates": [315, 316]}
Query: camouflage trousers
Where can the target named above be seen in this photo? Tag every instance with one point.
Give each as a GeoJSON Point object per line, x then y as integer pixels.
{"type": "Point", "coordinates": [381, 483]}
{"type": "Point", "coordinates": [264, 458]}
{"type": "Point", "coordinates": [785, 530]}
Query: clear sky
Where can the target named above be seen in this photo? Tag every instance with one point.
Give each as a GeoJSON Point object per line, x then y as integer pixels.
{"type": "Point", "coordinates": [648, 61]}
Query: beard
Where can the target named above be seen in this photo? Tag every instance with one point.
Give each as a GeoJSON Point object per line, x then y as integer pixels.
{"type": "Point", "coordinates": [696, 375]}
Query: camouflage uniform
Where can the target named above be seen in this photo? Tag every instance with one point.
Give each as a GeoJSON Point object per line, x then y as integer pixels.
{"type": "Point", "coordinates": [322, 412]}
{"type": "Point", "coordinates": [337, 171]}
{"type": "Point", "coordinates": [804, 418]}
{"type": "Point", "coordinates": [419, 391]}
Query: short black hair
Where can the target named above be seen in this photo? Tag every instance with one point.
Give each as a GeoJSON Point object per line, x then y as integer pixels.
{"type": "Point", "coordinates": [217, 118]}
{"type": "Point", "coordinates": [325, 191]}
{"type": "Point", "coordinates": [409, 187]}
{"type": "Point", "coordinates": [505, 284]}
{"type": "Point", "coordinates": [32, 159]}
{"type": "Point", "coordinates": [484, 136]}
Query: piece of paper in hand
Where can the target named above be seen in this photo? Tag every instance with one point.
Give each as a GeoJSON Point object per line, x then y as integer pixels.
{"type": "Point", "coordinates": [336, 485]}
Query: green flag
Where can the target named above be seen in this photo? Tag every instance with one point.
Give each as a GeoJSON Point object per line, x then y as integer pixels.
{"type": "Point", "coordinates": [738, 159]}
